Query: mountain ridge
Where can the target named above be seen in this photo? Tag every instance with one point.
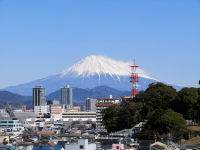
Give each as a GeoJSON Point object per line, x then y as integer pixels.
{"type": "Point", "coordinates": [90, 72]}
{"type": "Point", "coordinates": [7, 97]}
{"type": "Point", "coordinates": [79, 95]}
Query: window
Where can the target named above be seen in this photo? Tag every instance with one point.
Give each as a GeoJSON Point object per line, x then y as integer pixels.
{"type": "Point", "coordinates": [3, 121]}
{"type": "Point", "coordinates": [117, 147]}
{"type": "Point", "coordinates": [81, 146]}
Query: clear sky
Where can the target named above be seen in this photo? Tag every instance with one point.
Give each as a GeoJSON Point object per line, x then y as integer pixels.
{"type": "Point", "coordinates": [39, 38]}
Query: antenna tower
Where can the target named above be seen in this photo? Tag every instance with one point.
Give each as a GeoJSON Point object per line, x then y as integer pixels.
{"type": "Point", "coordinates": [134, 79]}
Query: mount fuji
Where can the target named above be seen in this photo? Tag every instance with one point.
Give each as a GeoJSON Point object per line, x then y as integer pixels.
{"type": "Point", "coordinates": [90, 72]}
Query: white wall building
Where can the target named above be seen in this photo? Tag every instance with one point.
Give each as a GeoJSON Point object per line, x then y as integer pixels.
{"type": "Point", "coordinates": [73, 116]}
{"type": "Point", "coordinates": [101, 104]}
{"type": "Point", "coordinates": [41, 110]}
{"type": "Point", "coordinates": [2, 110]}
{"type": "Point", "coordinates": [82, 145]}
{"type": "Point", "coordinates": [11, 126]}
{"type": "Point", "coordinates": [56, 111]}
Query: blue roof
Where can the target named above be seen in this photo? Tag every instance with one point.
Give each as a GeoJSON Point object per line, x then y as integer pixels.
{"type": "Point", "coordinates": [7, 146]}
{"type": "Point", "coordinates": [57, 147]}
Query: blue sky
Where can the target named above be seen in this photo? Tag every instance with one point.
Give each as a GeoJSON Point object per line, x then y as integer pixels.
{"type": "Point", "coordinates": [40, 38]}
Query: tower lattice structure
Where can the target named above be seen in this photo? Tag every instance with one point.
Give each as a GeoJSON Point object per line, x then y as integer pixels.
{"type": "Point", "coordinates": [134, 79]}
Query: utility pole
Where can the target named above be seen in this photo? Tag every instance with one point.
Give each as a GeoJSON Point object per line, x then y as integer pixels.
{"type": "Point", "coordinates": [168, 138]}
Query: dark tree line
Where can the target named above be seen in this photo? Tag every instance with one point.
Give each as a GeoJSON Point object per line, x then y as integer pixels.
{"type": "Point", "coordinates": [165, 109]}
{"type": "Point", "coordinates": [116, 118]}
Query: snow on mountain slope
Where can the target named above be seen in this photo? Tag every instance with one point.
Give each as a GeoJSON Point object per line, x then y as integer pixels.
{"type": "Point", "coordinates": [98, 65]}
{"type": "Point", "coordinates": [90, 72]}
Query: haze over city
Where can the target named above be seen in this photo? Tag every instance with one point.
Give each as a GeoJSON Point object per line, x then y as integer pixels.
{"type": "Point", "coordinates": [41, 38]}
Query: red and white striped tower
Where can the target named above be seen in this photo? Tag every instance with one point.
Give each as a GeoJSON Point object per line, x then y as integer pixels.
{"type": "Point", "coordinates": [134, 79]}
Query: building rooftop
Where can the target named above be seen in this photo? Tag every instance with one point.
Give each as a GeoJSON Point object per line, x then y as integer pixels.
{"type": "Point", "coordinates": [56, 147]}
{"type": "Point", "coordinates": [107, 98]}
{"type": "Point", "coordinates": [46, 132]}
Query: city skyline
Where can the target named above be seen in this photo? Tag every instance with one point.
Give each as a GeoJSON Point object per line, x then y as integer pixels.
{"type": "Point", "coordinates": [39, 39]}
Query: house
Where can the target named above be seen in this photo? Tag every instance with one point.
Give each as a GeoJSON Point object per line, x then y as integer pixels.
{"type": "Point", "coordinates": [82, 145]}
{"type": "Point", "coordinates": [158, 146]}
{"type": "Point", "coordinates": [120, 147]}
{"type": "Point", "coordinates": [190, 147]}
{"type": "Point", "coordinates": [39, 123]}
{"type": "Point", "coordinates": [4, 137]}
{"type": "Point", "coordinates": [23, 145]}
{"type": "Point", "coordinates": [56, 147]}
{"type": "Point", "coordinates": [11, 126]}
{"type": "Point", "coordinates": [6, 147]}
{"type": "Point", "coordinates": [164, 146]}
{"type": "Point", "coordinates": [46, 132]}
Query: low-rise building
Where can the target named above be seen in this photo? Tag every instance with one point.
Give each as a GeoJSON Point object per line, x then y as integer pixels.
{"type": "Point", "coordinates": [164, 146]}
{"type": "Point", "coordinates": [41, 110]}
{"type": "Point", "coordinates": [6, 147]}
{"type": "Point", "coordinates": [11, 126]}
{"type": "Point", "coordinates": [23, 107]}
{"type": "Point", "coordinates": [22, 116]}
{"type": "Point", "coordinates": [23, 145]}
{"type": "Point", "coordinates": [2, 110]}
{"type": "Point", "coordinates": [73, 116]}
{"type": "Point", "coordinates": [126, 99]}
{"type": "Point", "coordinates": [56, 147]}
{"type": "Point", "coordinates": [81, 145]}
{"type": "Point", "coordinates": [120, 147]}
{"type": "Point", "coordinates": [56, 111]}
{"type": "Point", "coordinates": [76, 108]}
{"type": "Point", "coordinates": [39, 124]}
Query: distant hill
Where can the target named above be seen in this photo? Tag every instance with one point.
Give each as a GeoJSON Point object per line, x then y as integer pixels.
{"type": "Point", "coordinates": [80, 95]}
{"type": "Point", "coordinates": [13, 99]}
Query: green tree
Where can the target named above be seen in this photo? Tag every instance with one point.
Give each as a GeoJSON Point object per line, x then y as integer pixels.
{"type": "Point", "coordinates": [156, 96]}
{"type": "Point", "coordinates": [164, 122]}
{"type": "Point", "coordinates": [110, 118]}
{"type": "Point", "coordinates": [197, 109]}
{"type": "Point", "coordinates": [159, 95]}
{"type": "Point", "coordinates": [130, 115]}
{"type": "Point", "coordinates": [116, 118]}
{"type": "Point", "coordinates": [186, 103]}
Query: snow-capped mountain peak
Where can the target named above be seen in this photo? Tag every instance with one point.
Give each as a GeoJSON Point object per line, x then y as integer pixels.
{"type": "Point", "coordinates": [100, 65]}
{"type": "Point", "coordinates": [90, 72]}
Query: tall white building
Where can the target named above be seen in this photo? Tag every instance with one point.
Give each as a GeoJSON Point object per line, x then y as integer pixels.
{"type": "Point", "coordinates": [101, 104]}
{"type": "Point", "coordinates": [91, 105]}
{"type": "Point", "coordinates": [66, 96]}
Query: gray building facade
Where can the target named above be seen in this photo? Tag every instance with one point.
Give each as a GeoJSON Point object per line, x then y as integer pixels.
{"type": "Point", "coordinates": [66, 96]}
{"type": "Point", "coordinates": [90, 105]}
{"type": "Point", "coordinates": [39, 98]}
